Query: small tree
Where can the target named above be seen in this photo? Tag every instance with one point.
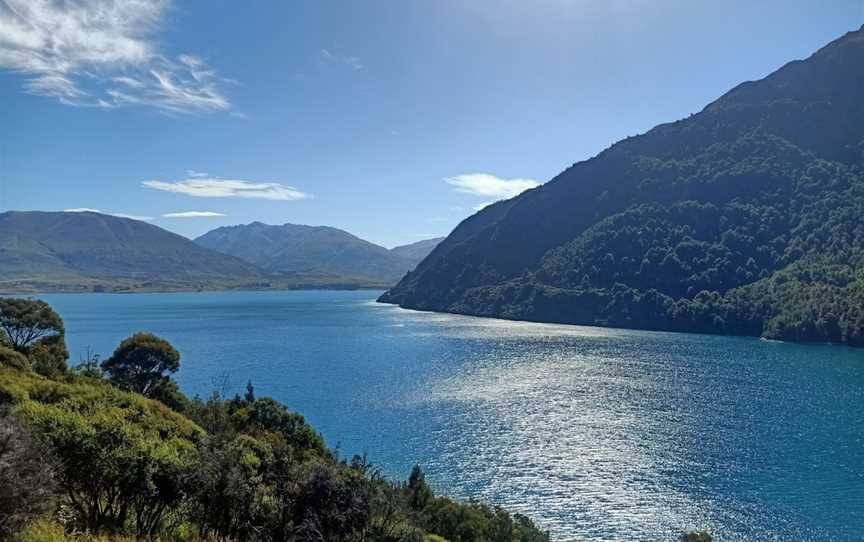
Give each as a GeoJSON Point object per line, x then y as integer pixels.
{"type": "Point", "coordinates": [419, 490]}
{"type": "Point", "coordinates": [89, 365]}
{"type": "Point", "coordinates": [25, 322]}
{"type": "Point", "coordinates": [141, 364]}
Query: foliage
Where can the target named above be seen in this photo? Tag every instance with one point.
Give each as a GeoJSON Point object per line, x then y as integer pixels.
{"type": "Point", "coordinates": [26, 477]}
{"type": "Point", "coordinates": [89, 366]}
{"type": "Point", "coordinates": [42, 531]}
{"type": "Point", "coordinates": [34, 330]}
{"type": "Point", "coordinates": [123, 456]}
{"type": "Point", "coordinates": [141, 364]}
{"type": "Point", "coordinates": [27, 321]}
{"type": "Point", "coordinates": [48, 356]}
{"type": "Point", "coordinates": [11, 358]}
{"type": "Point", "coordinates": [419, 489]}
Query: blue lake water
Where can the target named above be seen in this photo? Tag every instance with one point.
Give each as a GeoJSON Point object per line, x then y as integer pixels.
{"type": "Point", "coordinates": [598, 434]}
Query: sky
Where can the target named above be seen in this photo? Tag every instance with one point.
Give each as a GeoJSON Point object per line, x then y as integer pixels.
{"type": "Point", "coordinates": [393, 120]}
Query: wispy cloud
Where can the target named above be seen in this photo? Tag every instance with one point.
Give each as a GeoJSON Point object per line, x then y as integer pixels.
{"type": "Point", "coordinates": [490, 186]}
{"type": "Point", "coordinates": [481, 206]}
{"type": "Point", "coordinates": [328, 57]}
{"type": "Point", "coordinates": [118, 215]}
{"type": "Point", "coordinates": [193, 214]}
{"type": "Point", "coordinates": [193, 173]}
{"type": "Point", "coordinates": [206, 187]}
{"type": "Point", "coordinates": [103, 53]}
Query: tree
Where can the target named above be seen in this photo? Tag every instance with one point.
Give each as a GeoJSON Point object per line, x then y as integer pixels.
{"type": "Point", "coordinates": [250, 392]}
{"type": "Point", "coordinates": [89, 366]}
{"type": "Point", "coordinates": [33, 329]}
{"type": "Point", "coordinates": [26, 322]}
{"type": "Point", "coordinates": [418, 488]}
{"type": "Point", "coordinates": [27, 477]}
{"type": "Point", "coordinates": [141, 364]}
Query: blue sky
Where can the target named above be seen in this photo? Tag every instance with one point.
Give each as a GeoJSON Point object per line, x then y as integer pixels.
{"type": "Point", "coordinates": [393, 120]}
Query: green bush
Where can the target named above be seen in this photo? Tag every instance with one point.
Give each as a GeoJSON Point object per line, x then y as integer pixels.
{"type": "Point", "coordinates": [13, 359]}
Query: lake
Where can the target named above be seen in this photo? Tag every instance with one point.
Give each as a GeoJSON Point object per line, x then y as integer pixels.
{"type": "Point", "coordinates": [598, 434]}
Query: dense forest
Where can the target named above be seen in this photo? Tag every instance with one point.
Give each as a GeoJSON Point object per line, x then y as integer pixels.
{"type": "Point", "coordinates": [112, 450]}
{"type": "Point", "coordinates": [746, 218]}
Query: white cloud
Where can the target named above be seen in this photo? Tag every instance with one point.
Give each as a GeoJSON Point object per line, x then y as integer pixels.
{"type": "Point", "coordinates": [202, 187]}
{"type": "Point", "coordinates": [329, 58]}
{"type": "Point", "coordinates": [103, 53]}
{"type": "Point", "coordinates": [118, 215]}
{"type": "Point", "coordinates": [192, 214]}
{"type": "Point", "coordinates": [490, 186]}
{"type": "Point", "coordinates": [193, 173]}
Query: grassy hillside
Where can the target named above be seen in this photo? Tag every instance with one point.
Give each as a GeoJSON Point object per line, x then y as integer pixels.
{"type": "Point", "coordinates": [744, 218]}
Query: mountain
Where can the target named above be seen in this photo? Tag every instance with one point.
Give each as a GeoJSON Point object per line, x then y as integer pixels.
{"type": "Point", "coordinates": [64, 250]}
{"type": "Point", "coordinates": [293, 248]}
{"type": "Point", "coordinates": [415, 252]}
{"type": "Point", "coordinates": [746, 218]}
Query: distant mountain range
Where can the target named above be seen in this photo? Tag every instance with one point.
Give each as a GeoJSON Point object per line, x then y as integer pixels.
{"type": "Point", "coordinates": [87, 250]}
{"type": "Point", "coordinates": [65, 251]}
{"type": "Point", "coordinates": [416, 252]}
{"type": "Point", "coordinates": [292, 248]}
{"type": "Point", "coordinates": [747, 217]}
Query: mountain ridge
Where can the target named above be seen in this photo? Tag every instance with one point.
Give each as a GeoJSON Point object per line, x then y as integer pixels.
{"type": "Point", "coordinates": [87, 251]}
{"type": "Point", "coordinates": [688, 226]}
{"type": "Point", "coordinates": [291, 248]}
{"type": "Point", "coordinates": [58, 247]}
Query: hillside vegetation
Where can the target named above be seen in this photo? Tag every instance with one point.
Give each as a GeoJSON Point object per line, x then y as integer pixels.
{"type": "Point", "coordinates": [746, 218]}
{"type": "Point", "coordinates": [112, 450]}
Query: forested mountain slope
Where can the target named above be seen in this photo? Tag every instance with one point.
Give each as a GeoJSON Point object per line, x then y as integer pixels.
{"type": "Point", "coordinates": [747, 217]}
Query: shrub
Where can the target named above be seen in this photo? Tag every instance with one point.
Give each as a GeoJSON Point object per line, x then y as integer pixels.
{"type": "Point", "coordinates": [13, 359]}
{"type": "Point", "coordinates": [27, 484]}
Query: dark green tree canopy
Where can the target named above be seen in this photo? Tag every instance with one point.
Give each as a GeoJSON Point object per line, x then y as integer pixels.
{"type": "Point", "coordinates": [141, 363]}
{"type": "Point", "coordinates": [25, 322]}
